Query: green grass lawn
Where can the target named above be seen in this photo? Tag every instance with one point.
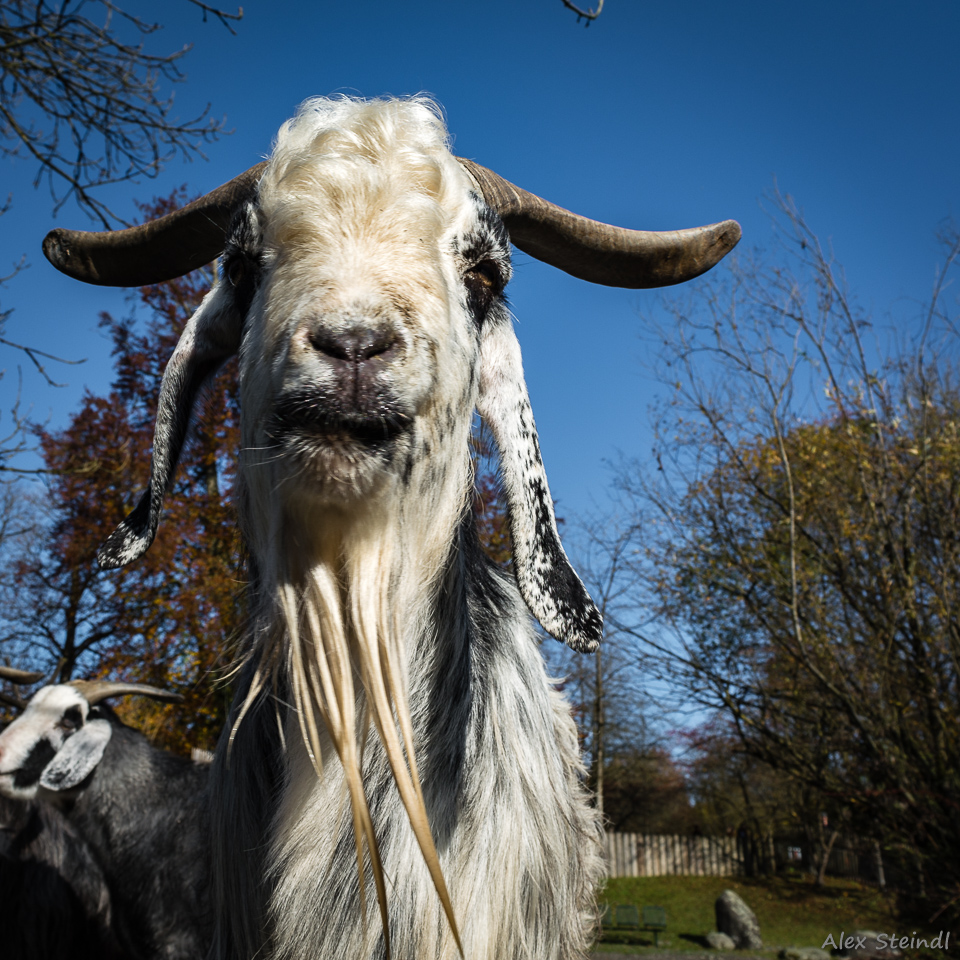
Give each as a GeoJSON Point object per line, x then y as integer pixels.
{"type": "Point", "coordinates": [791, 911]}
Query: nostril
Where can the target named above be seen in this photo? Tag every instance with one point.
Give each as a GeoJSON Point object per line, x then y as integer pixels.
{"type": "Point", "coordinates": [356, 345]}
{"type": "Point", "coordinates": [337, 345]}
{"type": "Point", "coordinates": [379, 343]}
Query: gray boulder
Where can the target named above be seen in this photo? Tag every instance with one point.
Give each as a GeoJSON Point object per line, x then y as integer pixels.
{"type": "Point", "coordinates": [720, 941]}
{"type": "Point", "coordinates": [738, 921]}
{"type": "Point", "coordinates": [870, 948]}
{"type": "Point", "coordinates": [803, 953]}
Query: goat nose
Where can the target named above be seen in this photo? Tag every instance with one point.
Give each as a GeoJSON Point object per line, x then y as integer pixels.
{"type": "Point", "coordinates": [355, 345]}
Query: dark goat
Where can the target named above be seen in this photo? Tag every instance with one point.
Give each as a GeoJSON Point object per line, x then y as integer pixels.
{"type": "Point", "coordinates": [54, 899]}
{"type": "Point", "coordinates": [142, 811]}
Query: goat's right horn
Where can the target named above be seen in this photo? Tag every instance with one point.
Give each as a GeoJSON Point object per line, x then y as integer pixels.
{"type": "Point", "coordinates": [19, 676]}
{"type": "Point", "coordinates": [162, 249]}
{"type": "Point", "coordinates": [598, 252]}
{"type": "Point", "coordinates": [94, 691]}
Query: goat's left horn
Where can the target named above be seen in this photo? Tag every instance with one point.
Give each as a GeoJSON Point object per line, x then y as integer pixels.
{"type": "Point", "coordinates": [94, 691]}
{"type": "Point", "coordinates": [599, 252]}
{"type": "Point", "coordinates": [162, 249]}
{"type": "Point", "coordinates": [19, 676]}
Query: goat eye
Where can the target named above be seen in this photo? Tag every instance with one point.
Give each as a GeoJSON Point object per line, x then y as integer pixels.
{"type": "Point", "coordinates": [483, 281]}
{"type": "Point", "coordinates": [71, 719]}
{"type": "Point", "coordinates": [235, 272]}
{"type": "Point", "coordinates": [485, 274]}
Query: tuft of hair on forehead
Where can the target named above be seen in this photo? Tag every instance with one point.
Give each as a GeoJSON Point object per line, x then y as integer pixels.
{"type": "Point", "coordinates": [339, 157]}
{"type": "Point", "coordinates": [55, 699]}
{"type": "Point", "coordinates": [363, 129]}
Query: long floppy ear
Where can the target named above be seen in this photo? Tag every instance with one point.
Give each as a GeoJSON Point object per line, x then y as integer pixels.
{"type": "Point", "coordinates": [210, 337]}
{"type": "Point", "coordinates": [548, 584]}
{"type": "Point", "coordinates": [78, 757]}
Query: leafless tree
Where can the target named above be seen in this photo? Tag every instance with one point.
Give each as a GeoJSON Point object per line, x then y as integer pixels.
{"type": "Point", "coordinates": [802, 538]}
{"type": "Point", "coordinates": [84, 102]}
{"type": "Point", "coordinates": [607, 689]}
{"type": "Point", "coordinates": [83, 99]}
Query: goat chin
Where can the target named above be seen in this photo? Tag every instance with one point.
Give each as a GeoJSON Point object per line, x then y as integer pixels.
{"type": "Point", "coordinates": [337, 469]}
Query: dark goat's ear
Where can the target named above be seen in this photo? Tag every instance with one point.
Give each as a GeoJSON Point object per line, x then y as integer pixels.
{"type": "Point", "coordinates": [78, 757]}
{"type": "Point", "coordinates": [548, 583]}
{"type": "Point", "coordinates": [211, 336]}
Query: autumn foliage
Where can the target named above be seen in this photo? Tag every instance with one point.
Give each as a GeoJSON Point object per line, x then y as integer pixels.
{"type": "Point", "coordinates": [170, 618]}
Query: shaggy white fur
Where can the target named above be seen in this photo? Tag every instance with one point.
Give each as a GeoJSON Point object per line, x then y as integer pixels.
{"type": "Point", "coordinates": [394, 719]}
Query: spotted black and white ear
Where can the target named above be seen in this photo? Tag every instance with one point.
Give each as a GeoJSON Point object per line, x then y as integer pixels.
{"type": "Point", "coordinates": [548, 583]}
{"type": "Point", "coordinates": [211, 336]}
{"type": "Point", "coordinates": [78, 757]}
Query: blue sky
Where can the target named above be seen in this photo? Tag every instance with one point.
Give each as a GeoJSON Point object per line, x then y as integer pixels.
{"type": "Point", "coordinates": [658, 116]}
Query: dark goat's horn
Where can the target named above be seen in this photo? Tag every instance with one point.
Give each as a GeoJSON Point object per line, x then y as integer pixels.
{"type": "Point", "coordinates": [12, 701]}
{"type": "Point", "coordinates": [19, 676]}
{"type": "Point", "coordinates": [598, 252]}
{"type": "Point", "coordinates": [179, 242]}
{"type": "Point", "coordinates": [94, 691]}
{"type": "Point", "coordinates": [161, 249]}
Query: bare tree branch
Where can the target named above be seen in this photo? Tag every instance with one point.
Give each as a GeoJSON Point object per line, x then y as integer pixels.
{"type": "Point", "coordinates": [588, 15]}
{"type": "Point", "coordinates": [221, 15]}
{"type": "Point", "coordinates": [87, 105]}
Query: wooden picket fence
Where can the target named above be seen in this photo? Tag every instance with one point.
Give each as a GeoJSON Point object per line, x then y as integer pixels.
{"type": "Point", "coordinates": [658, 855]}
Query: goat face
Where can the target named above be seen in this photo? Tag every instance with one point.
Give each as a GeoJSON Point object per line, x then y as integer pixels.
{"type": "Point", "coordinates": [363, 289]}
{"type": "Point", "coordinates": [364, 276]}
{"type": "Point", "coordinates": [55, 743]}
{"type": "Point", "coordinates": [60, 737]}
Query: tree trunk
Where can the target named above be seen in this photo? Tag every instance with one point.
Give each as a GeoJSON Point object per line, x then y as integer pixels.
{"type": "Point", "coordinates": [878, 865]}
{"type": "Point", "coordinates": [825, 859]}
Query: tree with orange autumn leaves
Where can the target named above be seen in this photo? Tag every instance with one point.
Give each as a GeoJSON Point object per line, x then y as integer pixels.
{"type": "Point", "coordinates": [169, 619]}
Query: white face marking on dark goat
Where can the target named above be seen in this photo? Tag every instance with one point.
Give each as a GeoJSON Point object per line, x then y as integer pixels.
{"type": "Point", "coordinates": [31, 741]}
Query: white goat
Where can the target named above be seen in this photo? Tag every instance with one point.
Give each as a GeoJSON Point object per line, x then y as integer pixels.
{"type": "Point", "coordinates": [363, 274]}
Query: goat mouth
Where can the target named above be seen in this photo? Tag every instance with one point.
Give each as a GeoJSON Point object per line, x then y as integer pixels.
{"type": "Point", "coordinates": [300, 417]}
{"type": "Point", "coordinates": [15, 787]}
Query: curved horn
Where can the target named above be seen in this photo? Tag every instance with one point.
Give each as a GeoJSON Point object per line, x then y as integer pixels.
{"type": "Point", "coordinates": [96, 690]}
{"type": "Point", "coordinates": [188, 238]}
{"type": "Point", "coordinates": [599, 252]}
{"type": "Point", "coordinates": [158, 250]}
{"type": "Point", "coordinates": [19, 676]}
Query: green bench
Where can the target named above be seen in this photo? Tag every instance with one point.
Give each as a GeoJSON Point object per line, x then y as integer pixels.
{"type": "Point", "coordinates": [655, 920]}
{"type": "Point", "coordinates": [626, 917]}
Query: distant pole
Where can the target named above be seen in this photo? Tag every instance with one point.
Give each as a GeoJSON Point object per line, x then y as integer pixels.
{"type": "Point", "coordinates": [598, 733]}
